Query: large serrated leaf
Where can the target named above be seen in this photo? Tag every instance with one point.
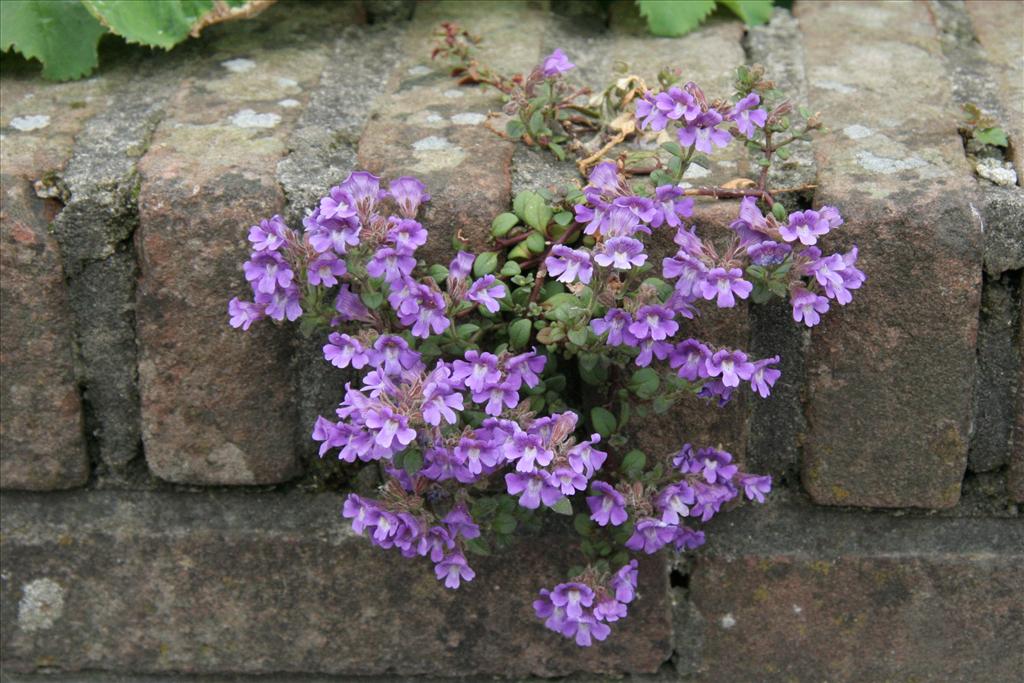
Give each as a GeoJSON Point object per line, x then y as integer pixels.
{"type": "Point", "coordinates": [160, 24]}
{"type": "Point", "coordinates": [59, 33]}
{"type": "Point", "coordinates": [752, 12]}
{"type": "Point", "coordinates": [672, 18]}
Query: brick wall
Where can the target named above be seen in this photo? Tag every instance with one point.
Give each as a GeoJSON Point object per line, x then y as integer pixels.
{"type": "Point", "coordinates": [163, 513]}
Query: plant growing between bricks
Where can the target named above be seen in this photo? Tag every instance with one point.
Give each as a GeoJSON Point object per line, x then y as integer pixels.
{"type": "Point", "coordinates": [507, 382]}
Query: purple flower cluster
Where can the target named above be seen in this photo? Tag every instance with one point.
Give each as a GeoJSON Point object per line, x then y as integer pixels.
{"type": "Point", "coordinates": [347, 220]}
{"type": "Point", "coordinates": [616, 216]}
{"type": "Point", "coordinates": [722, 370]}
{"type": "Point", "coordinates": [415, 532]}
{"type": "Point", "coordinates": [814, 279]}
{"type": "Point", "coordinates": [582, 609]}
{"type": "Point", "coordinates": [699, 125]}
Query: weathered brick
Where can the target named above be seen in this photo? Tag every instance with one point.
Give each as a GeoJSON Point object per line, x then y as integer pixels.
{"type": "Point", "coordinates": [793, 593]}
{"type": "Point", "coordinates": [278, 584]}
{"type": "Point", "coordinates": [1015, 476]}
{"type": "Point", "coordinates": [431, 128]}
{"type": "Point", "coordinates": [217, 404]}
{"type": "Point", "coordinates": [891, 376]}
{"type": "Point", "coordinates": [42, 443]}
{"type": "Point", "coordinates": [997, 25]}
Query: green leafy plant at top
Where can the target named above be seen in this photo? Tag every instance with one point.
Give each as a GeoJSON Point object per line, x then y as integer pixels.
{"type": "Point", "coordinates": [64, 34]}
{"type": "Point", "coordinates": [672, 18]}
{"type": "Point", "coordinates": [983, 128]}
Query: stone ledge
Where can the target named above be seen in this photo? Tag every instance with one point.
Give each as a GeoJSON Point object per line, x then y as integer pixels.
{"type": "Point", "coordinates": [272, 584]}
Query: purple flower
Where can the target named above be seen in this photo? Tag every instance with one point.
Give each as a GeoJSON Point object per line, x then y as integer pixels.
{"type": "Point", "coordinates": [408, 193]}
{"type": "Point", "coordinates": [703, 132]}
{"type": "Point", "coordinates": [755, 487]}
{"type": "Point", "coordinates": [497, 397]}
{"type": "Point", "coordinates": [525, 368]}
{"type": "Point", "coordinates": [768, 253]}
{"type": "Point", "coordinates": [687, 539]}
{"type": "Point", "coordinates": [435, 543]}
{"type": "Point", "coordinates": [554, 617]}
{"type": "Point", "coordinates": [337, 205]}
{"type": "Point", "coordinates": [430, 315]}
{"type": "Point", "coordinates": [269, 235]}
{"type": "Point", "coordinates": [476, 454]}
{"type": "Point", "coordinates": [624, 582]}
{"type": "Point", "coordinates": [608, 505]}
{"type": "Point", "coordinates": [528, 451]}
{"type": "Point", "coordinates": [622, 253]}
{"type": "Point", "coordinates": [556, 63]}
{"type": "Point", "coordinates": [461, 523]}
{"type": "Point", "coordinates": [407, 235]}
{"type": "Point", "coordinates": [532, 489]}
{"type": "Point", "coordinates": [674, 501]}
{"type": "Point", "coordinates": [609, 610]}
{"type": "Point", "coordinates": [440, 399]}
{"type": "Point", "coordinates": [267, 271]}
{"type": "Point", "coordinates": [392, 355]}
{"type": "Point", "coordinates": [732, 366]}
{"type": "Point", "coordinates": [586, 459]}
{"type": "Point", "coordinates": [244, 313]}
{"type": "Point", "coordinates": [461, 266]}
{"type": "Point", "coordinates": [654, 322]}
{"type": "Point", "coordinates": [453, 568]}
{"type": "Point", "coordinates": [283, 303]}
{"type": "Point", "coordinates": [572, 597]}
{"type": "Point", "coordinates": [806, 226]}
{"type": "Point", "coordinates": [751, 226]}
{"type": "Point", "coordinates": [390, 427]}
{"type": "Point", "coordinates": [478, 372]}
{"type": "Point", "coordinates": [363, 188]}
{"type": "Point", "coordinates": [651, 349]}
{"type": "Point", "coordinates": [716, 465]}
{"type": "Point", "coordinates": [655, 111]}
{"type": "Point", "coordinates": [670, 208]}
{"type": "Point", "coordinates": [648, 114]}
{"type": "Point", "coordinates": [605, 178]}
{"type": "Point", "coordinates": [363, 513]}
{"type": "Point", "coordinates": [746, 117]}
{"type": "Point", "coordinates": [343, 350]}
{"type": "Point", "coordinates": [619, 221]}
{"type": "Point", "coordinates": [764, 376]}
{"type": "Point", "coordinates": [641, 207]}
{"type": "Point", "coordinates": [331, 234]}
{"type": "Point", "coordinates": [715, 389]}
{"type": "Point", "coordinates": [325, 270]}
{"type": "Point", "coordinates": [690, 271]}
{"type": "Point", "coordinates": [567, 480]}
{"type": "Point", "coordinates": [584, 629]}
{"type": "Point", "coordinates": [569, 265]}
{"type": "Point", "coordinates": [391, 264]}
{"type": "Point", "coordinates": [349, 306]}
{"type": "Point", "coordinates": [650, 535]}
{"type": "Point", "coordinates": [486, 291]}
{"type": "Point", "coordinates": [724, 284]}
{"type": "Point", "coordinates": [807, 306]}
{"type": "Point", "coordinates": [616, 323]}
{"type": "Point", "coordinates": [691, 358]}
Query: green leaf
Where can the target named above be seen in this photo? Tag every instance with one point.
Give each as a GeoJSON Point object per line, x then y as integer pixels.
{"type": "Point", "coordinates": [603, 421]}
{"type": "Point", "coordinates": [519, 333]}
{"type": "Point", "coordinates": [502, 223]}
{"type": "Point", "coordinates": [563, 506]}
{"type": "Point", "coordinates": [644, 383]}
{"type": "Point", "coordinates": [371, 300]}
{"type": "Point", "coordinates": [673, 18]}
{"type": "Point", "coordinates": [62, 35]}
{"type": "Point", "coordinates": [992, 136]}
{"type": "Point", "coordinates": [438, 272]}
{"type": "Point", "coordinates": [558, 150]}
{"type": "Point", "coordinates": [535, 243]}
{"type": "Point", "coordinates": [159, 24]}
{"type": "Point", "coordinates": [563, 218]}
{"type": "Point", "coordinates": [779, 211]}
{"type": "Point", "coordinates": [752, 12]}
{"type": "Point", "coordinates": [515, 129]}
{"type": "Point", "coordinates": [511, 269]}
{"type": "Point", "coordinates": [536, 212]}
{"type": "Point", "coordinates": [478, 546]}
{"type": "Point", "coordinates": [413, 462]}
{"type": "Point", "coordinates": [485, 263]}
{"type": "Point", "coordinates": [673, 148]}
{"type": "Point", "coordinates": [633, 464]}
{"type": "Point", "coordinates": [504, 523]}
{"type": "Point", "coordinates": [578, 336]}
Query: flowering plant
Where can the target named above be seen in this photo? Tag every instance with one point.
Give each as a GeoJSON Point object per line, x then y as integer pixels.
{"type": "Point", "coordinates": [503, 383]}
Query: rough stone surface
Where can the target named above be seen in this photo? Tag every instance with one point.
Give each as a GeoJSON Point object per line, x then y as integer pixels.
{"type": "Point", "coordinates": [41, 440]}
{"type": "Point", "coordinates": [217, 403]}
{"type": "Point", "coordinates": [807, 594]}
{"type": "Point", "coordinates": [1015, 476]}
{"type": "Point", "coordinates": [1002, 211]}
{"type": "Point", "coordinates": [42, 444]}
{"type": "Point", "coordinates": [897, 364]}
{"type": "Point", "coordinates": [997, 28]}
{"type": "Point", "coordinates": [277, 584]}
{"type": "Point", "coordinates": [995, 395]}
{"type": "Point", "coordinates": [467, 168]}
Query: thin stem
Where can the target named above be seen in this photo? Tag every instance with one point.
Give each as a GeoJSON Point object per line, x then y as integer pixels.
{"type": "Point", "coordinates": [542, 268]}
